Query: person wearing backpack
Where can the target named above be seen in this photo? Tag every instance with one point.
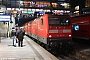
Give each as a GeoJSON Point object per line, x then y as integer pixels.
{"type": "Point", "coordinates": [13, 35]}
{"type": "Point", "coordinates": [20, 37]}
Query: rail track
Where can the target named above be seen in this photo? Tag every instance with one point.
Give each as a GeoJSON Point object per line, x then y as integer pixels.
{"type": "Point", "coordinates": [79, 52]}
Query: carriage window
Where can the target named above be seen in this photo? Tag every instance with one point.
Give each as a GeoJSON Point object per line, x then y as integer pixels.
{"type": "Point", "coordinates": [75, 27]}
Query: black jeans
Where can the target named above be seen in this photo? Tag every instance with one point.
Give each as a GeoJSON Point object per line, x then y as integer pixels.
{"type": "Point", "coordinates": [20, 43]}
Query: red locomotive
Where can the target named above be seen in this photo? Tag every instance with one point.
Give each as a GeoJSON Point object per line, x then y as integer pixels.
{"type": "Point", "coordinates": [50, 29]}
{"type": "Point", "coordinates": [81, 27]}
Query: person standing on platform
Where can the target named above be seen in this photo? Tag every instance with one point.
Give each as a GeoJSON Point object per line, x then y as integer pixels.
{"type": "Point", "coordinates": [13, 35]}
{"type": "Point", "coordinates": [20, 37]}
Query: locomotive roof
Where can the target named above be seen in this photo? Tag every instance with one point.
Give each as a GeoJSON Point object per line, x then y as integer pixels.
{"type": "Point", "coordinates": [59, 15]}
{"type": "Point", "coordinates": [48, 14]}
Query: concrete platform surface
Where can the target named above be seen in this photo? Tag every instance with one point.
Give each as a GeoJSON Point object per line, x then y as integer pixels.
{"type": "Point", "coordinates": [29, 51]}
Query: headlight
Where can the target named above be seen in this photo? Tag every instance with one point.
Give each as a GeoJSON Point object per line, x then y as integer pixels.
{"type": "Point", "coordinates": [50, 36]}
{"type": "Point", "coordinates": [69, 35]}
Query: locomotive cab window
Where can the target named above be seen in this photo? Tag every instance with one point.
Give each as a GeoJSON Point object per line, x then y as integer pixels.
{"type": "Point", "coordinates": [54, 21]}
{"type": "Point", "coordinates": [64, 21]}
{"type": "Point", "coordinates": [59, 21]}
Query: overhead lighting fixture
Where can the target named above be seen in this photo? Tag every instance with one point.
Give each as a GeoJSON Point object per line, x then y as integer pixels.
{"type": "Point", "coordinates": [64, 4]}
{"type": "Point", "coordinates": [61, 0]}
{"type": "Point", "coordinates": [77, 8]}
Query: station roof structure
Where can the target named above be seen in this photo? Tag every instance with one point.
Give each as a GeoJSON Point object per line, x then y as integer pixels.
{"type": "Point", "coordinates": [11, 3]}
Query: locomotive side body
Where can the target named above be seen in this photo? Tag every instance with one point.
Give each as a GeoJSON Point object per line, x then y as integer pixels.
{"type": "Point", "coordinates": [81, 27]}
{"type": "Point", "coordinates": [42, 27]}
{"type": "Point", "coordinates": [26, 28]}
{"type": "Point", "coordinates": [29, 29]}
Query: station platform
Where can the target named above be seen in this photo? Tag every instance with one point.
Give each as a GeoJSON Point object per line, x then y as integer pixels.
{"type": "Point", "coordinates": [30, 51]}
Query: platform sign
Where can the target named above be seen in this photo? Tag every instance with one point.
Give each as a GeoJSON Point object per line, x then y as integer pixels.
{"type": "Point", "coordinates": [5, 18]}
{"type": "Point", "coordinates": [28, 12]}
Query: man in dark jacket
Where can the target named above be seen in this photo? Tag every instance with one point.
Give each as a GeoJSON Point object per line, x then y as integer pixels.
{"type": "Point", "coordinates": [20, 37]}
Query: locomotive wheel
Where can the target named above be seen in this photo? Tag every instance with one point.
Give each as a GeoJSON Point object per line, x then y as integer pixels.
{"type": "Point", "coordinates": [47, 47]}
{"type": "Point", "coordinates": [43, 45]}
{"type": "Point", "coordinates": [38, 42]}
{"type": "Point", "coordinates": [54, 50]}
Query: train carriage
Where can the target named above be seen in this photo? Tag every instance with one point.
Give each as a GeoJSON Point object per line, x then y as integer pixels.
{"type": "Point", "coordinates": [81, 27]}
